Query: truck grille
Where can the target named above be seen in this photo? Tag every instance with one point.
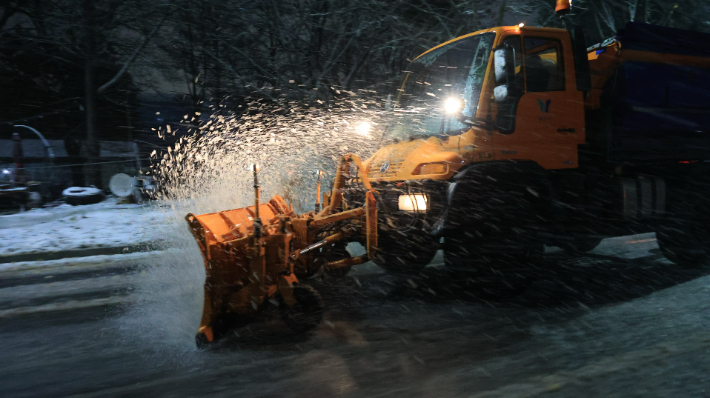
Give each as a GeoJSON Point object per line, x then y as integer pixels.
{"type": "Point", "coordinates": [392, 170]}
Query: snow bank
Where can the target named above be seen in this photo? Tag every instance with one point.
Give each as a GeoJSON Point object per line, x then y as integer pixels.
{"type": "Point", "coordinates": [104, 224]}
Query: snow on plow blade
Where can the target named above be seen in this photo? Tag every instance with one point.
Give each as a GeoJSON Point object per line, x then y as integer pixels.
{"type": "Point", "coordinates": [254, 256]}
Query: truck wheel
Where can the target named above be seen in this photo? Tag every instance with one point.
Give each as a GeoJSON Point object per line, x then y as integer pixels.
{"type": "Point", "coordinates": [308, 311]}
{"type": "Point", "coordinates": [401, 252]}
{"type": "Point", "coordinates": [456, 253]}
{"type": "Point", "coordinates": [580, 245]}
{"type": "Point", "coordinates": [684, 245]}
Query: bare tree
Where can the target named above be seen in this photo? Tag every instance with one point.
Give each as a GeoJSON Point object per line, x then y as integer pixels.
{"type": "Point", "coordinates": [311, 49]}
{"type": "Point", "coordinates": [603, 18]}
{"type": "Point", "coordinates": [90, 34]}
{"type": "Point", "coordinates": [123, 26]}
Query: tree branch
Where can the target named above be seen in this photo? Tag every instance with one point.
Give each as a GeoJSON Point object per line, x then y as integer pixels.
{"type": "Point", "coordinates": [133, 57]}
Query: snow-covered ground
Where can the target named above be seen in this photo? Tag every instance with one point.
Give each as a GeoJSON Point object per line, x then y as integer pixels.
{"type": "Point", "coordinates": [78, 262]}
{"type": "Point", "coordinates": [65, 227]}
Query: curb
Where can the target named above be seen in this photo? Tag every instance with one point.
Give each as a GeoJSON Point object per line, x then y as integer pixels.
{"type": "Point", "coordinates": [91, 251]}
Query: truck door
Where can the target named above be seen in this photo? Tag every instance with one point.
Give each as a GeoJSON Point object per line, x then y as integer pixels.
{"type": "Point", "coordinates": [549, 119]}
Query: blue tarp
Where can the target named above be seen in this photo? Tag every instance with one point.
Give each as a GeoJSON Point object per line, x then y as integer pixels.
{"type": "Point", "coordinates": [661, 110]}
{"type": "Point", "coordinates": [640, 36]}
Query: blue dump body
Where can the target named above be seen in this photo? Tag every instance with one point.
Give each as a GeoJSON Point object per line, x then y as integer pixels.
{"type": "Point", "coordinates": [661, 111]}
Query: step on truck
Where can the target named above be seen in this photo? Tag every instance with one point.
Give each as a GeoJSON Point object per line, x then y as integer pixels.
{"type": "Point", "coordinates": [501, 141]}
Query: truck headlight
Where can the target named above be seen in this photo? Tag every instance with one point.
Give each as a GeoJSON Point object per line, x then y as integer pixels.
{"type": "Point", "coordinates": [453, 105]}
{"type": "Point", "coordinates": [415, 203]}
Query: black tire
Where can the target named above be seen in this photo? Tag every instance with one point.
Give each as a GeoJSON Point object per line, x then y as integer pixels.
{"type": "Point", "coordinates": [580, 245]}
{"type": "Point", "coordinates": [684, 236]}
{"type": "Point", "coordinates": [456, 253]}
{"type": "Point", "coordinates": [337, 252]}
{"type": "Point", "coordinates": [408, 252]}
{"type": "Point", "coordinates": [308, 311]}
{"type": "Point", "coordinates": [495, 211]}
{"type": "Point", "coordinates": [684, 245]}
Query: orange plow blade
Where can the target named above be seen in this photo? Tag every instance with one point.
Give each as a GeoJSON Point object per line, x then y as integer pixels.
{"type": "Point", "coordinates": [254, 255]}
{"type": "Point", "coordinates": [245, 263]}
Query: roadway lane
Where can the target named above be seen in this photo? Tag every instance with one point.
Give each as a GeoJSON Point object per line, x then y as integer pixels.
{"type": "Point", "coordinates": [619, 322]}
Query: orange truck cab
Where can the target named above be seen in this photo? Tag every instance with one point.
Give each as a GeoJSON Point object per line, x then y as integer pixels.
{"type": "Point", "coordinates": [511, 138]}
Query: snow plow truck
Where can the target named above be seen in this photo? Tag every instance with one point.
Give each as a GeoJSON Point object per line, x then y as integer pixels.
{"type": "Point", "coordinates": [502, 141]}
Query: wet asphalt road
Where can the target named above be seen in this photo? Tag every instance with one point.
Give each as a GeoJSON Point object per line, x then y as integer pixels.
{"type": "Point", "coordinates": [619, 322]}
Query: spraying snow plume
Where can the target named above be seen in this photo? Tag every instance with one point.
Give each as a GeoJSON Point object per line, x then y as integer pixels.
{"type": "Point", "coordinates": [209, 171]}
{"type": "Point", "coordinates": [290, 144]}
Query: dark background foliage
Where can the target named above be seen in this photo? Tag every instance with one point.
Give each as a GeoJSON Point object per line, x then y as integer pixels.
{"type": "Point", "coordinates": [102, 69]}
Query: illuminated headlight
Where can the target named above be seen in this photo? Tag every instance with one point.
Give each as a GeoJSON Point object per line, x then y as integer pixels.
{"type": "Point", "coordinates": [453, 105]}
{"type": "Point", "coordinates": [415, 203]}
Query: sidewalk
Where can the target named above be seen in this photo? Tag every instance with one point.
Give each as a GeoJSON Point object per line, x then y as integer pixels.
{"type": "Point", "coordinates": [77, 231]}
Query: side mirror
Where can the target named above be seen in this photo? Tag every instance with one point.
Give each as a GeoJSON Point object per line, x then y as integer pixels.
{"type": "Point", "coordinates": [504, 64]}
{"type": "Point", "coordinates": [504, 61]}
{"type": "Point", "coordinates": [506, 91]}
{"type": "Point", "coordinates": [500, 93]}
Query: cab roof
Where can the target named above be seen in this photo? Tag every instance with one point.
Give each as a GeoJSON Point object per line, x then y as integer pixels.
{"type": "Point", "coordinates": [497, 30]}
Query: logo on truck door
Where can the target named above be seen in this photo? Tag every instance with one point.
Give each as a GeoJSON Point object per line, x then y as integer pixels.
{"type": "Point", "coordinates": [385, 166]}
{"type": "Point", "coordinates": [544, 106]}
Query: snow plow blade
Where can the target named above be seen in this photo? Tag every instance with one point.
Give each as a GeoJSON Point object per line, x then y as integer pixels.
{"type": "Point", "coordinates": [242, 269]}
{"type": "Point", "coordinates": [254, 256]}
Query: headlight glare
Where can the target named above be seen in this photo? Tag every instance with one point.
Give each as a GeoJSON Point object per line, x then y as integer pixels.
{"type": "Point", "coordinates": [415, 203]}
{"type": "Point", "coordinates": [453, 105]}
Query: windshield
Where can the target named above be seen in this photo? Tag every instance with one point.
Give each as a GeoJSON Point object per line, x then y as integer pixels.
{"type": "Point", "coordinates": [442, 87]}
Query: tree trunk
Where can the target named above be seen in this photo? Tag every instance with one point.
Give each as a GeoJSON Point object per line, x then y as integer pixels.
{"type": "Point", "coordinates": [92, 170]}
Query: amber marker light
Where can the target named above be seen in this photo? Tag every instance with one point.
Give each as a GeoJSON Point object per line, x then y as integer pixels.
{"type": "Point", "coordinates": [563, 7]}
{"type": "Point", "coordinates": [433, 168]}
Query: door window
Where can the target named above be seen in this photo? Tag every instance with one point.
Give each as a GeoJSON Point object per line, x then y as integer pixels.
{"type": "Point", "coordinates": [544, 70]}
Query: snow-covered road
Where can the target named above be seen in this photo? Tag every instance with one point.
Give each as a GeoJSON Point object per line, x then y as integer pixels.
{"type": "Point", "coordinates": [619, 322]}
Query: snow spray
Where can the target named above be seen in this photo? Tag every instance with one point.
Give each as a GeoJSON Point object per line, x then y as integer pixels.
{"type": "Point", "coordinates": [208, 171]}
